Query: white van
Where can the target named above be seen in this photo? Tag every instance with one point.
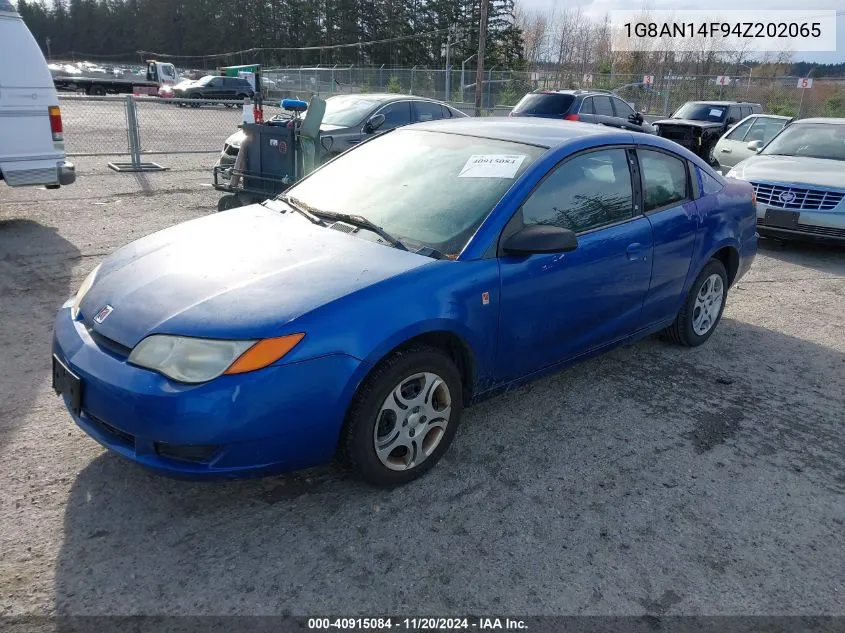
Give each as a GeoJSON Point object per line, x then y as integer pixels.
{"type": "Point", "coordinates": [32, 150]}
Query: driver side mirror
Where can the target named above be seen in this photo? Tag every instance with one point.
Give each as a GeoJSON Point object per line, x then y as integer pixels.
{"type": "Point", "coordinates": [755, 146]}
{"type": "Point", "coordinates": [636, 118]}
{"type": "Point", "coordinates": [541, 238]}
{"type": "Point", "coordinates": [326, 142]}
{"type": "Point", "coordinates": [373, 123]}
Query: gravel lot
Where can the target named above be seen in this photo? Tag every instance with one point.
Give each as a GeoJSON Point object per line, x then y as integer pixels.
{"type": "Point", "coordinates": [651, 480]}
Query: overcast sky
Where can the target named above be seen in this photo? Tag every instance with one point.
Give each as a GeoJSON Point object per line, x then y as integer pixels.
{"type": "Point", "coordinates": [600, 7]}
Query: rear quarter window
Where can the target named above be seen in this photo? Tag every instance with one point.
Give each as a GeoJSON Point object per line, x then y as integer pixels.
{"type": "Point", "coordinates": [709, 184]}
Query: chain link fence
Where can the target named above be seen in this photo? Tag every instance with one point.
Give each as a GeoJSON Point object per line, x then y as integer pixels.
{"type": "Point", "coordinates": [189, 134]}
{"type": "Point", "coordinates": [503, 88]}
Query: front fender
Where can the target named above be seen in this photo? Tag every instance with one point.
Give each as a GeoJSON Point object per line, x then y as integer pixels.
{"type": "Point", "coordinates": [461, 298]}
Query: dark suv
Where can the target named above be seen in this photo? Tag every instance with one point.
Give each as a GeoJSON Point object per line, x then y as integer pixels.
{"type": "Point", "coordinates": [589, 106]}
{"type": "Point", "coordinates": [216, 88]}
{"type": "Point", "coordinates": [698, 125]}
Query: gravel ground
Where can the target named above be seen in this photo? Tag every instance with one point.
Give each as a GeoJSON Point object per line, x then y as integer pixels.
{"type": "Point", "coordinates": [651, 480]}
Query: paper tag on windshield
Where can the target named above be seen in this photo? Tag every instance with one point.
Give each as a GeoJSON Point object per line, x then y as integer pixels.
{"type": "Point", "coordinates": [492, 166]}
{"type": "Point", "coordinates": [714, 112]}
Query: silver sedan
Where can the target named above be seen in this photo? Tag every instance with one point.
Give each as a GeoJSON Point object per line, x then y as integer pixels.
{"type": "Point", "coordinates": [799, 181]}
{"type": "Point", "coordinates": [746, 138]}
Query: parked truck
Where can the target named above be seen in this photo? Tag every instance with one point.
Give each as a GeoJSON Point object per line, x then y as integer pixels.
{"type": "Point", "coordinates": [158, 74]}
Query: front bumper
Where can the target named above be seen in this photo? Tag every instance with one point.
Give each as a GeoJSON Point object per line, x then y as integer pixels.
{"type": "Point", "coordinates": [278, 419]}
{"type": "Point", "coordinates": [819, 226]}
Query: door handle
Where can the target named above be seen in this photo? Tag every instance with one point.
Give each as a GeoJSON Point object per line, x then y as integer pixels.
{"type": "Point", "coordinates": [634, 252]}
{"type": "Point", "coordinates": [725, 150]}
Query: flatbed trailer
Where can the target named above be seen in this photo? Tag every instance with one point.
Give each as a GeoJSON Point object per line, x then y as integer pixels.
{"type": "Point", "coordinates": [157, 75]}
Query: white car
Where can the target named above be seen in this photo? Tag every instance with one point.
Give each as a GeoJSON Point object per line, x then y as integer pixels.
{"type": "Point", "coordinates": [736, 145]}
{"type": "Point", "coordinates": [32, 149]}
{"type": "Point", "coordinates": [799, 181]}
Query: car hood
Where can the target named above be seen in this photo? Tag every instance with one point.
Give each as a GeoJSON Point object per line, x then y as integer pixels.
{"type": "Point", "coordinates": [687, 122]}
{"type": "Point", "coordinates": [802, 170]}
{"type": "Point", "coordinates": [241, 274]}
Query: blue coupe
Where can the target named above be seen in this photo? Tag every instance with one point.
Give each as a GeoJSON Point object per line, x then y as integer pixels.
{"type": "Point", "coordinates": [359, 313]}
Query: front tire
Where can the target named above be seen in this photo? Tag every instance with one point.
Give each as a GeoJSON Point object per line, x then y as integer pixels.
{"type": "Point", "coordinates": [703, 307]}
{"type": "Point", "coordinates": [403, 417]}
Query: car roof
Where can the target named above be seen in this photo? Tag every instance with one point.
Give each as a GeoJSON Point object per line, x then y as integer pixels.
{"type": "Point", "coordinates": [537, 131]}
{"type": "Point", "coordinates": [831, 120]}
{"type": "Point", "coordinates": [387, 96]}
{"type": "Point", "coordinates": [726, 103]}
{"type": "Point", "coordinates": [574, 91]}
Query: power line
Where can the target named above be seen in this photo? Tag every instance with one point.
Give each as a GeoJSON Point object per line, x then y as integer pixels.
{"type": "Point", "coordinates": [299, 48]}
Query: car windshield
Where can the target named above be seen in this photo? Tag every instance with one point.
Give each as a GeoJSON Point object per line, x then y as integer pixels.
{"type": "Point", "coordinates": [543, 104]}
{"type": "Point", "coordinates": [701, 112]}
{"type": "Point", "coordinates": [348, 111]}
{"type": "Point", "coordinates": [813, 140]}
{"type": "Point", "coordinates": [429, 188]}
{"type": "Point", "coordinates": [205, 80]}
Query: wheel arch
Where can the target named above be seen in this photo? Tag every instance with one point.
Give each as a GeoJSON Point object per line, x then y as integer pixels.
{"type": "Point", "coordinates": [445, 339]}
{"type": "Point", "coordinates": [729, 256]}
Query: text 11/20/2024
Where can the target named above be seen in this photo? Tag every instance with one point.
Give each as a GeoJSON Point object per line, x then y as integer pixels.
{"type": "Point", "coordinates": [417, 624]}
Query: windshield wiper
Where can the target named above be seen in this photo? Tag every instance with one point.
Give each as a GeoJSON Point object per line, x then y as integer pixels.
{"type": "Point", "coordinates": [364, 223]}
{"type": "Point", "coordinates": [301, 208]}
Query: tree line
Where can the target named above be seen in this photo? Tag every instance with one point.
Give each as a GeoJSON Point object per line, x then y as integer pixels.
{"type": "Point", "coordinates": [196, 29]}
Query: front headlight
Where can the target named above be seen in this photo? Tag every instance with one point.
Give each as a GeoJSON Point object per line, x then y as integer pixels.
{"type": "Point", "coordinates": [195, 360]}
{"type": "Point", "coordinates": [83, 290]}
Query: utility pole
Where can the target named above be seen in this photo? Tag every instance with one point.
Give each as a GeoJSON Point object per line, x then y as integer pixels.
{"type": "Point", "coordinates": [479, 72]}
{"type": "Point", "coordinates": [448, 78]}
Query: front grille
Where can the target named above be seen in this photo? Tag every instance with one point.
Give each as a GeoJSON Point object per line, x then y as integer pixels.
{"type": "Point", "coordinates": [121, 436]}
{"type": "Point", "coordinates": [821, 230]}
{"type": "Point", "coordinates": [676, 132]}
{"type": "Point", "coordinates": [197, 454]}
{"type": "Point", "coordinates": [826, 231]}
{"type": "Point", "coordinates": [797, 198]}
{"type": "Point", "coordinates": [108, 344]}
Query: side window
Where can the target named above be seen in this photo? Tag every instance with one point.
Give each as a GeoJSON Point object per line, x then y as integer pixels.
{"type": "Point", "coordinates": [396, 114]}
{"type": "Point", "coordinates": [734, 113]}
{"type": "Point", "coordinates": [623, 110]}
{"type": "Point", "coordinates": [739, 131]}
{"type": "Point", "coordinates": [664, 179]}
{"type": "Point", "coordinates": [708, 183]}
{"type": "Point", "coordinates": [603, 106]}
{"type": "Point", "coordinates": [745, 111]}
{"type": "Point", "coordinates": [447, 113]}
{"type": "Point", "coordinates": [587, 106]}
{"type": "Point", "coordinates": [584, 192]}
{"type": "Point", "coordinates": [427, 111]}
{"type": "Point", "coordinates": [764, 129]}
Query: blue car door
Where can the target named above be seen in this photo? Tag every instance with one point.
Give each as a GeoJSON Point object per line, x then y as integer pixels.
{"type": "Point", "coordinates": [669, 206]}
{"type": "Point", "coordinates": [557, 306]}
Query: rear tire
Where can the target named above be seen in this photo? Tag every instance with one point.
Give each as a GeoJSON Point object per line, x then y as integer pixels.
{"type": "Point", "coordinates": [96, 91]}
{"type": "Point", "coordinates": [703, 307]}
{"type": "Point", "coordinates": [404, 417]}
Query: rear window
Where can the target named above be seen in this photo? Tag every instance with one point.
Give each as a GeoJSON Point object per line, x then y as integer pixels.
{"type": "Point", "coordinates": [543, 104]}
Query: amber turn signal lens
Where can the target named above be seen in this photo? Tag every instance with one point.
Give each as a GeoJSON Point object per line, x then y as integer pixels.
{"type": "Point", "coordinates": [264, 353]}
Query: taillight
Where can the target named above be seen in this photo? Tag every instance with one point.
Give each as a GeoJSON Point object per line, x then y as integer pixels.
{"type": "Point", "coordinates": [56, 123]}
{"type": "Point", "coordinates": [571, 117]}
